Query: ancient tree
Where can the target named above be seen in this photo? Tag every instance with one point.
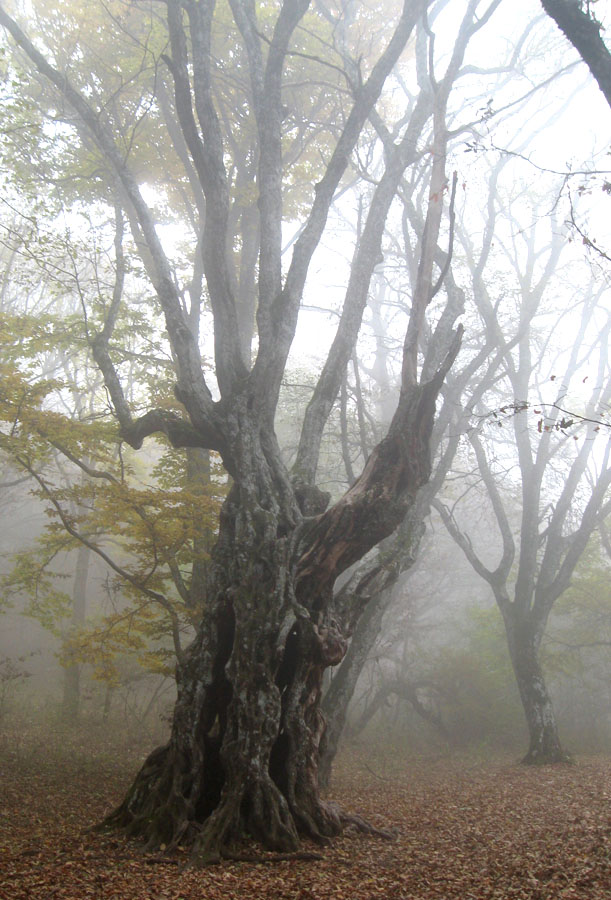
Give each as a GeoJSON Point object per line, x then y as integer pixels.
{"type": "Point", "coordinates": [242, 758]}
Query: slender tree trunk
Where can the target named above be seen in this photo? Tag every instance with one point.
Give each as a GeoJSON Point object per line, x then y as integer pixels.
{"type": "Point", "coordinates": [71, 699]}
{"type": "Point", "coordinates": [399, 554]}
{"type": "Point", "coordinates": [341, 690]}
{"type": "Point", "coordinates": [72, 693]}
{"type": "Point", "coordinates": [108, 695]}
{"type": "Point", "coordinates": [545, 746]}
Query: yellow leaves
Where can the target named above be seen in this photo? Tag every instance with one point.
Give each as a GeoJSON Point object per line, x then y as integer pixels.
{"type": "Point", "coordinates": [30, 423]}
{"type": "Point", "coordinates": [133, 638]}
{"type": "Point", "coordinates": [32, 581]}
{"type": "Point", "coordinates": [25, 336]}
{"type": "Point", "coordinates": [153, 520]}
{"type": "Point", "coordinates": [18, 393]}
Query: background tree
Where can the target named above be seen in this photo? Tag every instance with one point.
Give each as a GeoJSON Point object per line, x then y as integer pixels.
{"type": "Point", "coordinates": [473, 374]}
{"type": "Point", "coordinates": [563, 477]}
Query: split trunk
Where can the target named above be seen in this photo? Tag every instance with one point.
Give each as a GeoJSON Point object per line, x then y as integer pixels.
{"type": "Point", "coordinates": [243, 756]}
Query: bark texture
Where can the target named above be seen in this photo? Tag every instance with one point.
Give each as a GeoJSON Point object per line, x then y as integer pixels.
{"type": "Point", "coordinates": [583, 30]}
{"type": "Point", "coordinates": [243, 757]}
{"type": "Point", "coordinates": [544, 741]}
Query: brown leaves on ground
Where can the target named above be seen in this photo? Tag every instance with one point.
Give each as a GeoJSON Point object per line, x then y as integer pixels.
{"type": "Point", "coordinates": [465, 830]}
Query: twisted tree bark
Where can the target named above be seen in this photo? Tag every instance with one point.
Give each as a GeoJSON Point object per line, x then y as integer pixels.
{"type": "Point", "coordinates": [244, 752]}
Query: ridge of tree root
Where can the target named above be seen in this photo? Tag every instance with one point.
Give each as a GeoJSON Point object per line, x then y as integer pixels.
{"type": "Point", "coordinates": [350, 820]}
{"type": "Point", "coordinates": [306, 855]}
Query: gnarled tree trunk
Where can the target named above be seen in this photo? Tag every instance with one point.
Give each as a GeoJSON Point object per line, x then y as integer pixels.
{"type": "Point", "coordinates": [244, 751]}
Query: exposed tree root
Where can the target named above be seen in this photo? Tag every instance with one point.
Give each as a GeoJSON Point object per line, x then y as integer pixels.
{"type": "Point", "coordinates": [304, 855]}
{"type": "Point", "coordinates": [361, 825]}
{"type": "Point", "coordinates": [258, 811]}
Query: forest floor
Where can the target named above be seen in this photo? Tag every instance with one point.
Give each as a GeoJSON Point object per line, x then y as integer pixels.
{"type": "Point", "coordinates": [466, 829]}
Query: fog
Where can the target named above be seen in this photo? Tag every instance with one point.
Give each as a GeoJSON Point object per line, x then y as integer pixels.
{"type": "Point", "coordinates": [305, 398]}
{"type": "Point", "coordinates": [441, 638]}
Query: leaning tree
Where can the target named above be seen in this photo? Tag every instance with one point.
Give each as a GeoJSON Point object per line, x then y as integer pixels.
{"type": "Point", "coordinates": [243, 753]}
